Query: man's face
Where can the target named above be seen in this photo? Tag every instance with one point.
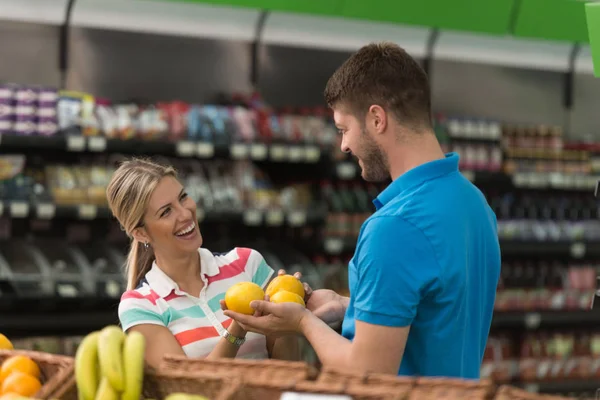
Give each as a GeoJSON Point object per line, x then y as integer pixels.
{"type": "Point", "coordinates": [358, 140]}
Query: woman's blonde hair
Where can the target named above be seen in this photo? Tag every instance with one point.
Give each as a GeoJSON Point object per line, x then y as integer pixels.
{"type": "Point", "coordinates": [128, 195]}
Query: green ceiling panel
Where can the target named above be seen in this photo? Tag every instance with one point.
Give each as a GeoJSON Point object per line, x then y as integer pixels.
{"type": "Point", "coordinates": [489, 16]}
{"type": "Point", "coordinates": [553, 20]}
{"type": "Point", "coordinates": [322, 7]}
{"type": "Point", "coordinates": [593, 23]}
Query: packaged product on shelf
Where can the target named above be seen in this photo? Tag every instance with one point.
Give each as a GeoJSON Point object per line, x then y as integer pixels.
{"type": "Point", "coordinates": [126, 126]}
{"type": "Point", "coordinates": [245, 123]}
{"type": "Point", "coordinates": [107, 118]}
{"type": "Point", "coordinates": [46, 111]}
{"type": "Point", "coordinates": [152, 124]}
{"type": "Point", "coordinates": [7, 108]}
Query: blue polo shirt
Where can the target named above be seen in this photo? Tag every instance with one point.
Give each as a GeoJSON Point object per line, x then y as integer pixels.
{"type": "Point", "coordinates": [429, 257]}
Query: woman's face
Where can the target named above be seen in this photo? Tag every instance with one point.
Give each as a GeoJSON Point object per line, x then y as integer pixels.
{"type": "Point", "coordinates": [170, 221]}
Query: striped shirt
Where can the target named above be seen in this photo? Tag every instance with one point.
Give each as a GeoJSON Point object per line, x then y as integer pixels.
{"type": "Point", "coordinates": [159, 301]}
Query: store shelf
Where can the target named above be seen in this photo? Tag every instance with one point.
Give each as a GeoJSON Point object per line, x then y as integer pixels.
{"type": "Point", "coordinates": [561, 386]}
{"type": "Point", "coordinates": [34, 11]}
{"type": "Point", "coordinates": [18, 209]}
{"type": "Point", "coordinates": [545, 319]}
{"type": "Point", "coordinates": [275, 152]}
{"type": "Point", "coordinates": [42, 317]}
{"type": "Point", "coordinates": [564, 249]}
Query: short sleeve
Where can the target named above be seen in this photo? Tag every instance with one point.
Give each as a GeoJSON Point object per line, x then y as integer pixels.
{"type": "Point", "coordinates": [258, 269]}
{"type": "Point", "coordinates": [396, 268]}
{"type": "Point", "coordinates": [136, 308]}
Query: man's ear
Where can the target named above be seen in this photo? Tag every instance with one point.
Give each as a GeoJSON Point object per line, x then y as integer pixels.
{"type": "Point", "coordinates": [141, 235]}
{"type": "Point", "coordinates": [377, 118]}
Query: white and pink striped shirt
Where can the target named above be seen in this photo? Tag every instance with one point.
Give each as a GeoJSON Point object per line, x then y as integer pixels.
{"type": "Point", "coordinates": [159, 301]}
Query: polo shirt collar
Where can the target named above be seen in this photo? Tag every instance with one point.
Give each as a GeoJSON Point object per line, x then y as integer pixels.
{"type": "Point", "coordinates": [416, 176]}
{"type": "Point", "coordinates": [163, 285]}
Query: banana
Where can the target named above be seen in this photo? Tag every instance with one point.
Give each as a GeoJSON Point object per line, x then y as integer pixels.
{"type": "Point", "coordinates": [110, 355]}
{"type": "Point", "coordinates": [133, 363]}
{"type": "Point", "coordinates": [86, 366]}
{"type": "Point", "coordinates": [106, 391]}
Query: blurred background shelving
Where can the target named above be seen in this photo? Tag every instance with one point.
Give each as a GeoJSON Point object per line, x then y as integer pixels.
{"type": "Point", "coordinates": [232, 97]}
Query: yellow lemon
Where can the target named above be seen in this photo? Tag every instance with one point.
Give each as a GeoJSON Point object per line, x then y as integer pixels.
{"type": "Point", "coordinates": [5, 344]}
{"type": "Point", "coordinates": [288, 283]}
{"type": "Point", "coordinates": [239, 296]}
{"type": "Point", "coordinates": [283, 296]}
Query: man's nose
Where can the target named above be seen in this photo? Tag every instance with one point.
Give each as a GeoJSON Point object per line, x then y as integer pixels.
{"type": "Point", "coordinates": [344, 146]}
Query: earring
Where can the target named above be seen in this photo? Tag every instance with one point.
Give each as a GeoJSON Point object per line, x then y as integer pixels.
{"type": "Point", "coordinates": [146, 245]}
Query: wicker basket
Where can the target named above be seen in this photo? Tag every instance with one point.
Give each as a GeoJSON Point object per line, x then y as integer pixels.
{"type": "Point", "coordinates": [400, 387]}
{"type": "Point", "coordinates": [451, 389]}
{"type": "Point", "coordinates": [261, 370]}
{"type": "Point", "coordinates": [506, 392]}
{"type": "Point", "coordinates": [215, 386]}
{"type": "Point", "coordinates": [55, 369]}
{"type": "Point", "coordinates": [273, 391]}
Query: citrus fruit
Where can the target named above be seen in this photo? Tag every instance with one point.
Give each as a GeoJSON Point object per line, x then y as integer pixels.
{"type": "Point", "coordinates": [11, 396]}
{"type": "Point", "coordinates": [21, 364]}
{"type": "Point", "coordinates": [285, 282]}
{"type": "Point", "coordinates": [5, 344]}
{"type": "Point", "coordinates": [239, 296]}
{"type": "Point", "coordinates": [283, 296]}
{"type": "Point", "coordinates": [21, 383]}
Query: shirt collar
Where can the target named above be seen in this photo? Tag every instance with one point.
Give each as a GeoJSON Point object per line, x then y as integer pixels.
{"type": "Point", "coordinates": [163, 285]}
{"type": "Point", "coordinates": [416, 176]}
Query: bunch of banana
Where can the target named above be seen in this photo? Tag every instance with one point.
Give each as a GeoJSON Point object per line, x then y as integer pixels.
{"type": "Point", "coordinates": [109, 365]}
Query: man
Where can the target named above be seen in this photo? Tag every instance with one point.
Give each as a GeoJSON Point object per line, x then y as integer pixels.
{"type": "Point", "coordinates": [424, 274]}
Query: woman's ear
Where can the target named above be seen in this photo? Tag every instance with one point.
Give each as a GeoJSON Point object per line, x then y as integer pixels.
{"type": "Point", "coordinates": [141, 235]}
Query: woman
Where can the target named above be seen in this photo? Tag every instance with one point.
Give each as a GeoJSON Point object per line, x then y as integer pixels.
{"type": "Point", "coordinates": [174, 286]}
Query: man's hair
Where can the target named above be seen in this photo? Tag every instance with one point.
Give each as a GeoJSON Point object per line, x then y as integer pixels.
{"type": "Point", "coordinates": [386, 75]}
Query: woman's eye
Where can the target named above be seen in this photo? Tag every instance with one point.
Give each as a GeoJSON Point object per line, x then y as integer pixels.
{"type": "Point", "coordinates": [166, 212]}
{"type": "Point", "coordinates": [183, 196]}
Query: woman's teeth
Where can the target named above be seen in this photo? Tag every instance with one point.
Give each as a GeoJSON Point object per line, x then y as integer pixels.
{"type": "Point", "coordinates": [186, 230]}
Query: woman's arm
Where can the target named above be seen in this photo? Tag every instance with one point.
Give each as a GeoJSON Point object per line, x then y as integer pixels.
{"type": "Point", "coordinates": [160, 341]}
{"type": "Point", "coordinates": [284, 348]}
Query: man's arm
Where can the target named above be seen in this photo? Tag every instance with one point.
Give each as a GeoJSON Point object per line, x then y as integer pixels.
{"type": "Point", "coordinates": [375, 348]}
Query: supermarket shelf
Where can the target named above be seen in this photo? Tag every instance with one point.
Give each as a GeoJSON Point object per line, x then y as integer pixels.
{"type": "Point", "coordinates": [561, 387]}
{"type": "Point", "coordinates": [560, 249]}
{"type": "Point", "coordinates": [294, 153]}
{"type": "Point", "coordinates": [47, 211]}
{"type": "Point", "coordinates": [564, 249]}
{"type": "Point", "coordinates": [545, 319]}
{"type": "Point", "coordinates": [43, 317]}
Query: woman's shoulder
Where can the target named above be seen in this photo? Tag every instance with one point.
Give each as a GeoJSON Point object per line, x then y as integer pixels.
{"type": "Point", "coordinates": [141, 297]}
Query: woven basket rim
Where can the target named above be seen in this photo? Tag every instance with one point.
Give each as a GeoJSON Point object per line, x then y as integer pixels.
{"type": "Point", "coordinates": [171, 358]}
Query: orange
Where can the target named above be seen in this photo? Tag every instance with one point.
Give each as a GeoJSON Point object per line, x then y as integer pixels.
{"type": "Point", "coordinates": [5, 344]}
{"type": "Point", "coordinates": [285, 282]}
{"type": "Point", "coordinates": [283, 296]}
{"type": "Point", "coordinates": [21, 383]}
{"type": "Point", "coordinates": [21, 364]}
{"type": "Point", "coordinates": [239, 296]}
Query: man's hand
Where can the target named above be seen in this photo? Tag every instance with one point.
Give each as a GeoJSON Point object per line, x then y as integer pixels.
{"type": "Point", "coordinates": [273, 320]}
{"type": "Point", "coordinates": [329, 306]}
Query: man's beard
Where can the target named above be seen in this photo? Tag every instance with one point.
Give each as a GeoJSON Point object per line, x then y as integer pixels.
{"type": "Point", "coordinates": [375, 166]}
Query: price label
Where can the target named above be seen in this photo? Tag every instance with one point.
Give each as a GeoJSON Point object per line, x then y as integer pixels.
{"type": "Point", "coordinates": [239, 151]}
{"type": "Point", "coordinates": [185, 149]}
{"type": "Point", "coordinates": [259, 151]}
{"type": "Point", "coordinates": [46, 211]}
{"type": "Point", "coordinates": [87, 211]}
{"type": "Point", "coordinates": [312, 153]}
{"type": "Point", "coordinates": [252, 217]}
{"type": "Point", "coordinates": [205, 150]}
{"type": "Point", "coordinates": [112, 289]}
{"type": "Point", "coordinates": [470, 175]}
{"type": "Point", "coordinates": [200, 214]}
{"type": "Point", "coordinates": [75, 143]}
{"type": "Point", "coordinates": [297, 218]}
{"type": "Point", "coordinates": [97, 144]}
{"type": "Point", "coordinates": [19, 209]}
{"type": "Point", "coordinates": [533, 320]}
{"type": "Point", "coordinates": [296, 154]}
{"type": "Point", "coordinates": [578, 250]}
{"type": "Point", "coordinates": [532, 388]}
{"type": "Point", "coordinates": [278, 152]}
{"type": "Point", "coordinates": [65, 290]}
{"type": "Point", "coordinates": [346, 170]}
{"type": "Point", "coordinates": [334, 245]}
{"type": "Point", "coordinates": [274, 217]}
{"type": "Point", "coordinates": [520, 180]}
{"type": "Point", "coordinates": [1, 208]}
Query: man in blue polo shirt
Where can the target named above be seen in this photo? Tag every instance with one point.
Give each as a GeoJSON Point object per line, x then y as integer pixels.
{"type": "Point", "coordinates": [424, 274]}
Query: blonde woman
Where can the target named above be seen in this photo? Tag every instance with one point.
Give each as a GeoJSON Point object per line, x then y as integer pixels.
{"type": "Point", "coordinates": [174, 286]}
